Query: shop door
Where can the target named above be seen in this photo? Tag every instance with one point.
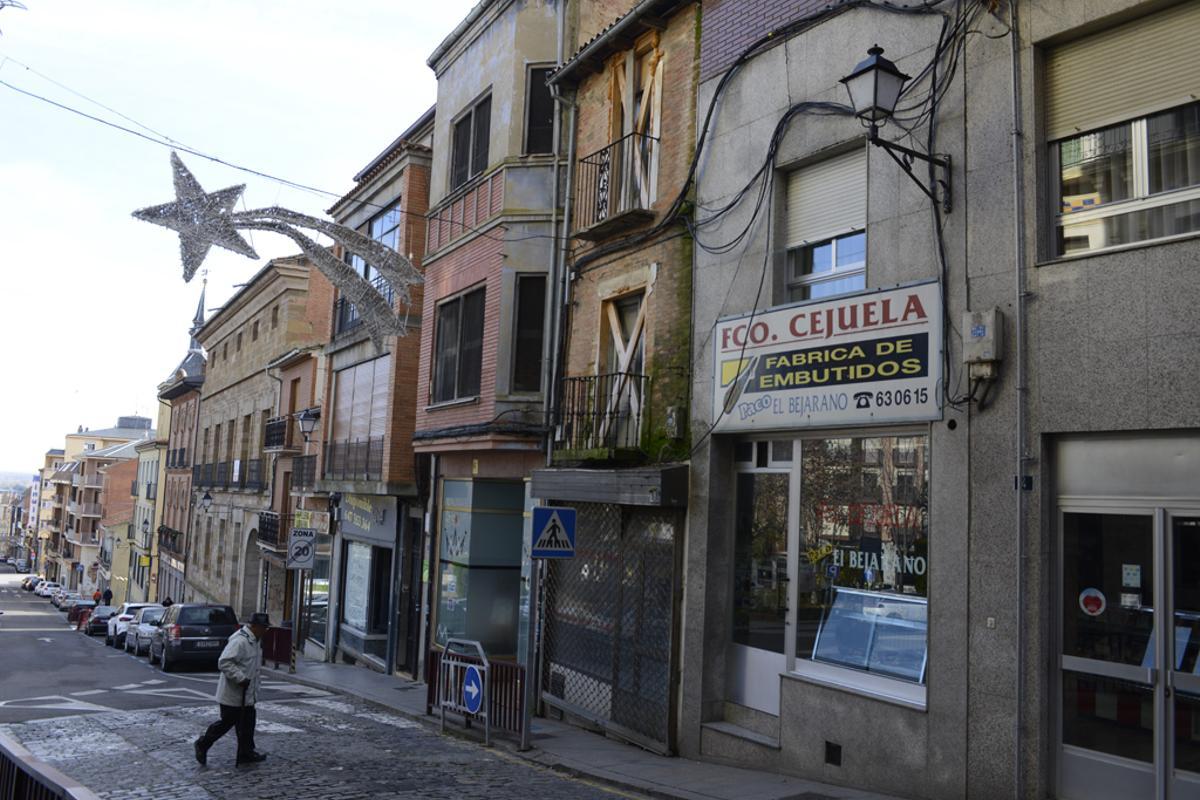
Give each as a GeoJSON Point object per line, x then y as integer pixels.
{"type": "Point", "coordinates": [1130, 658]}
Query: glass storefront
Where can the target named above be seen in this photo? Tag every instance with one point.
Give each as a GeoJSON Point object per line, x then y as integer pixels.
{"type": "Point", "coordinates": [317, 591]}
{"type": "Point", "coordinates": [831, 562]}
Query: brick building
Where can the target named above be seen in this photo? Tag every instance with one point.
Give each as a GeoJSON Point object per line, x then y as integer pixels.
{"type": "Point", "coordinates": [621, 402]}
{"type": "Point", "coordinates": [370, 571]}
{"type": "Point", "coordinates": [116, 527]}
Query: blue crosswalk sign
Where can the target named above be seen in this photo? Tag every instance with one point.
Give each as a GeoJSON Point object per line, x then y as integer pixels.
{"type": "Point", "coordinates": [473, 690]}
{"type": "Point", "coordinates": [553, 532]}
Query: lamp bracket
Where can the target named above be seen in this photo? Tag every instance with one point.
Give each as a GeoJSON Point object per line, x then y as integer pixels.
{"type": "Point", "coordinates": [905, 156]}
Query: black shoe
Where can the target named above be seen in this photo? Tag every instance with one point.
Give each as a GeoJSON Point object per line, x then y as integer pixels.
{"type": "Point", "coordinates": [253, 758]}
{"type": "Point", "coordinates": [201, 753]}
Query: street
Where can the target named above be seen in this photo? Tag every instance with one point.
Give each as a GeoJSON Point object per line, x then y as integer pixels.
{"type": "Point", "coordinates": [125, 729]}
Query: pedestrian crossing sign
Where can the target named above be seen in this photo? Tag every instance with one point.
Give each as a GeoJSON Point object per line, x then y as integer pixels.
{"type": "Point", "coordinates": [553, 532]}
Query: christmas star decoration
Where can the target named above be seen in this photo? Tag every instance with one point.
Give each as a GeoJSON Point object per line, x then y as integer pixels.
{"type": "Point", "coordinates": [201, 219]}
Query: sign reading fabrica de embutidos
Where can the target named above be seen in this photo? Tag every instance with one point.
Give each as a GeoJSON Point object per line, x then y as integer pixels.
{"type": "Point", "coordinates": [855, 360]}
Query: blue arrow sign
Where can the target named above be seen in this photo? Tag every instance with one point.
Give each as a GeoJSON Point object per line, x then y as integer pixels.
{"type": "Point", "coordinates": [473, 690]}
{"type": "Point", "coordinates": [553, 532]}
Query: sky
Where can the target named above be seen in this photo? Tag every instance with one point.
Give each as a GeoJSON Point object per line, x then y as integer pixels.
{"type": "Point", "coordinates": [94, 312]}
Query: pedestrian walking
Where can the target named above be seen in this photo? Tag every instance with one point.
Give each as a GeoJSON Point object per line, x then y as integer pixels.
{"type": "Point", "coordinates": [96, 595]}
{"type": "Point", "coordinates": [107, 597]}
{"type": "Point", "coordinates": [237, 691]}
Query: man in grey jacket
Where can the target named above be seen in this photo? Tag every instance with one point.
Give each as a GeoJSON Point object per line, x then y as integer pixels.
{"type": "Point", "coordinates": [237, 691]}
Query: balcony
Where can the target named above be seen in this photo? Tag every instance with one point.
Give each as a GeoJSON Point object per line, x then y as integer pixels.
{"type": "Point", "coordinates": [90, 481]}
{"type": "Point", "coordinates": [280, 434]}
{"type": "Point", "coordinates": [616, 187]}
{"type": "Point", "coordinates": [171, 541]}
{"type": "Point", "coordinates": [83, 509]}
{"type": "Point", "coordinates": [105, 558]}
{"type": "Point", "coordinates": [345, 315]}
{"type": "Point", "coordinates": [133, 488]}
{"type": "Point", "coordinates": [354, 460]}
{"type": "Point", "coordinates": [304, 473]}
{"type": "Point", "coordinates": [177, 458]}
{"type": "Point", "coordinates": [601, 417]}
{"type": "Point", "coordinates": [273, 530]}
{"type": "Point", "coordinates": [250, 475]}
{"type": "Point", "coordinates": [151, 491]}
{"type": "Point", "coordinates": [224, 470]}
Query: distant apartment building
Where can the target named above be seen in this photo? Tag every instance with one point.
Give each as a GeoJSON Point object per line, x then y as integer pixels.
{"type": "Point", "coordinates": [116, 530]}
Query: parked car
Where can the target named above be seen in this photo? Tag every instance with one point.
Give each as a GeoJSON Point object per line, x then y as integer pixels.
{"type": "Point", "coordinates": [29, 582]}
{"type": "Point", "coordinates": [22, 565]}
{"type": "Point", "coordinates": [62, 598]}
{"type": "Point", "coordinates": [46, 588]}
{"type": "Point", "coordinates": [119, 623]}
{"type": "Point", "coordinates": [192, 633]}
{"type": "Point", "coordinates": [97, 621]}
{"type": "Point", "coordinates": [141, 629]}
{"type": "Point", "coordinates": [75, 612]}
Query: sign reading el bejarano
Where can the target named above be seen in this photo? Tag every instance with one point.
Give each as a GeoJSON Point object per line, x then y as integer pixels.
{"type": "Point", "coordinates": [866, 358]}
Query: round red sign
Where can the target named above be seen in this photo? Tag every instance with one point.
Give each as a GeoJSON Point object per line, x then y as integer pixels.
{"type": "Point", "coordinates": [1092, 602]}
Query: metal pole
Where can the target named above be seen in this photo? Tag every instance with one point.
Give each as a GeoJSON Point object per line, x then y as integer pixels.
{"type": "Point", "coordinates": [298, 575]}
{"type": "Point", "coordinates": [530, 657]}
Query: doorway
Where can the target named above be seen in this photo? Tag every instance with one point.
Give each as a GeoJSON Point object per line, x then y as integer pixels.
{"type": "Point", "coordinates": [1128, 677]}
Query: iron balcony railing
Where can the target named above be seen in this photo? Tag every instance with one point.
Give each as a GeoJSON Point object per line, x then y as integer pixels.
{"type": "Point", "coordinates": [602, 412]}
{"type": "Point", "coordinates": [133, 488]}
{"type": "Point", "coordinates": [177, 458]}
{"type": "Point", "coordinates": [345, 315]}
{"type": "Point", "coordinates": [250, 475]}
{"type": "Point", "coordinates": [616, 179]}
{"type": "Point", "coordinates": [273, 529]}
{"type": "Point", "coordinates": [171, 541]}
{"type": "Point", "coordinates": [356, 459]}
{"type": "Point", "coordinates": [151, 491]}
{"type": "Point", "coordinates": [304, 472]}
{"type": "Point", "coordinates": [278, 433]}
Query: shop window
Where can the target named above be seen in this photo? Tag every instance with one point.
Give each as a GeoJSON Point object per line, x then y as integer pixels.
{"type": "Point", "coordinates": [530, 313]}
{"type": "Point", "coordinates": [825, 226]}
{"type": "Point", "coordinates": [365, 599]}
{"type": "Point", "coordinates": [1124, 151]}
{"type": "Point", "coordinates": [539, 112]}
{"type": "Point", "coordinates": [458, 358]}
{"type": "Point", "coordinates": [862, 585]}
{"type": "Point", "coordinates": [760, 591]}
{"type": "Point", "coordinates": [469, 153]}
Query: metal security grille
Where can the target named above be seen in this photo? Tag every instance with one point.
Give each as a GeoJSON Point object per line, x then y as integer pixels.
{"type": "Point", "coordinates": [608, 631]}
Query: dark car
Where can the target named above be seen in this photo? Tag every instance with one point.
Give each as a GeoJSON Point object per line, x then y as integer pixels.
{"type": "Point", "coordinates": [77, 609]}
{"type": "Point", "coordinates": [193, 633]}
{"type": "Point", "coordinates": [97, 621]}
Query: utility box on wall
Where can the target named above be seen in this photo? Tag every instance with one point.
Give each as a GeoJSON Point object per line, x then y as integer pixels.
{"type": "Point", "coordinates": [983, 336]}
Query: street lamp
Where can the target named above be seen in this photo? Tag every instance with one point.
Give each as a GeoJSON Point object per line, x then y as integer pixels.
{"type": "Point", "coordinates": [206, 502]}
{"type": "Point", "coordinates": [145, 527]}
{"type": "Point", "coordinates": [874, 88]}
{"type": "Point", "coordinates": [308, 421]}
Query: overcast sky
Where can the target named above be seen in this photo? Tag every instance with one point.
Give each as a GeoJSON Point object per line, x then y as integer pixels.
{"type": "Point", "coordinates": [94, 312]}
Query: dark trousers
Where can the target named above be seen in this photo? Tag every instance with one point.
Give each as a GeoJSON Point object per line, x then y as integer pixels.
{"type": "Point", "coordinates": [240, 718]}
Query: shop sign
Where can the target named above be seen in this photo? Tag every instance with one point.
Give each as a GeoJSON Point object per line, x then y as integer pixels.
{"type": "Point", "coordinates": [317, 520]}
{"type": "Point", "coordinates": [371, 517]}
{"type": "Point", "coordinates": [867, 358]}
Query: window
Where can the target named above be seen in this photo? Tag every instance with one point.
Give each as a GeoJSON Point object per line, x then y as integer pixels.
{"type": "Point", "coordinates": [824, 231]}
{"type": "Point", "coordinates": [470, 148]}
{"type": "Point", "coordinates": [274, 317]}
{"type": "Point", "coordinates": [539, 112]}
{"type": "Point", "coordinates": [458, 356]}
{"type": "Point", "coordinates": [527, 344]}
{"type": "Point", "coordinates": [238, 348]}
{"type": "Point", "coordinates": [225, 351]}
{"type": "Point", "coordinates": [1124, 151]}
{"type": "Point", "coordinates": [361, 400]}
{"type": "Point", "coordinates": [254, 331]}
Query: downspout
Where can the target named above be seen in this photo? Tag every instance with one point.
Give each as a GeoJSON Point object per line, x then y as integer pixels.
{"type": "Point", "coordinates": [563, 284]}
{"type": "Point", "coordinates": [550, 324]}
{"type": "Point", "coordinates": [1021, 421]}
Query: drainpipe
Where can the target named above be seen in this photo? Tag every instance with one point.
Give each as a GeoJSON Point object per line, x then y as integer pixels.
{"type": "Point", "coordinates": [1021, 422]}
{"type": "Point", "coordinates": [562, 287]}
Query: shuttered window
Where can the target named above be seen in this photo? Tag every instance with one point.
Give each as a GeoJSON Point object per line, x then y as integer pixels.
{"type": "Point", "coordinates": [827, 199]}
{"type": "Point", "coordinates": [360, 402]}
{"type": "Point", "coordinates": [1128, 71]}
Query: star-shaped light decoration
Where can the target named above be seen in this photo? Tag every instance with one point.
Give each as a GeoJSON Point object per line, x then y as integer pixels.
{"type": "Point", "coordinates": [203, 220]}
{"type": "Point", "coordinates": [200, 219]}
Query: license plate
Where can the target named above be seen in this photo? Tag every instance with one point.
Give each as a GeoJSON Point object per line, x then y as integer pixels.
{"type": "Point", "coordinates": [208, 644]}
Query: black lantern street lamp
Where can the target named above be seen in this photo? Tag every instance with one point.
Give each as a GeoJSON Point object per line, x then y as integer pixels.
{"type": "Point", "coordinates": [308, 421]}
{"type": "Point", "coordinates": [874, 88]}
{"type": "Point", "coordinates": [206, 502]}
{"type": "Point", "coordinates": [145, 527]}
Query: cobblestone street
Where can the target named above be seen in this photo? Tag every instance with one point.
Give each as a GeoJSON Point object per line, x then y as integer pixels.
{"type": "Point", "coordinates": [318, 748]}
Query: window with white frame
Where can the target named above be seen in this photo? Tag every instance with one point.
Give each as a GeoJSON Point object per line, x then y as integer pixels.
{"type": "Point", "coordinates": [1124, 148]}
{"type": "Point", "coordinates": [825, 226]}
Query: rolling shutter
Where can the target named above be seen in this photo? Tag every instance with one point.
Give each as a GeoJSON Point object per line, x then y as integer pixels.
{"type": "Point", "coordinates": [1123, 73]}
{"type": "Point", "coordinates": [827, 199]}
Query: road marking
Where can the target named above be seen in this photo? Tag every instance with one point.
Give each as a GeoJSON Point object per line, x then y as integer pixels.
{"type": "Point", "coordinates": [152, 681]}
{"type": "Point", "coordinates": [89, 693]}
{"type": "Point", "coordinates": [56, 702]}
{"type": "Point", "coordinates": [127, 686]}
{"type": "Point", "coordinates": [176, 693]}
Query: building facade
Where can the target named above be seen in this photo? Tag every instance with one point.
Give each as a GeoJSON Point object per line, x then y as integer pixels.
{"type": "Point", "coordinates": [116, 530]}
{"type": "Point", "coordinates": [368, 474]}
{"type": "Point", "coordinates": [941, 537]}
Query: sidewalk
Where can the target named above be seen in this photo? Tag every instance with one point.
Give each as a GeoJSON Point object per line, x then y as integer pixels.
{"type": "Point", "coordinates": [580, 753]}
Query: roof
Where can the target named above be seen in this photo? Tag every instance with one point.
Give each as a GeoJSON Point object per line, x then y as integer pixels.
{"type": "Point", "coordinates": [57, 451]}
{"type": "Point", "coordinates": [460, 29]}
{"type": "Point", "coordinates": [400, 145]}
{"type": "Point", "coordinates": [249, 287]}
{"type": "Point", "coordinates": [114, 433]}
{"type": "Point", "coordinates": [646, 15]}
{"type": "Point", "coordinates": [117, 451]}
{"type": "Point", "coordinates": [65, 471]}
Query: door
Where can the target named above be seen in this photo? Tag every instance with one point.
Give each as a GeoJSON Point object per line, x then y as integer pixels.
{"type": "Point", "coordinates": [1129, 677]}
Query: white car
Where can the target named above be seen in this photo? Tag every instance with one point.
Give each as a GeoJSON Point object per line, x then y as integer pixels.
{"type": "Point", "coordinates": [60, 599]}
{"type": "Point", "coordinates": [118, 623]}
{"type": "Point", "coordinates": [141, 629]}
{"type": "Point", "coordinates": [46, 588]}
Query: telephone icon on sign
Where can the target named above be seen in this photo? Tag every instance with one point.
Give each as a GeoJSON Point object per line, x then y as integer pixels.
{"type": "Point", "coordinates": [862, 399]}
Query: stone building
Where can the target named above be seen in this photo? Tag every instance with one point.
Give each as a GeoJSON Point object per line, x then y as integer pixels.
{"type": "Point", "coordinates": [272, 313]}
{"type": "Point", "coordinates": [942, 539]}
{"type": "Point", "coordinates": [619, 418]}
